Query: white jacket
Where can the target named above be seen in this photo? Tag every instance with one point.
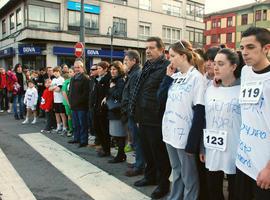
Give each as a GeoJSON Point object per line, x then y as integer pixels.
{"type": "Point", "coordinates": [31, 97]}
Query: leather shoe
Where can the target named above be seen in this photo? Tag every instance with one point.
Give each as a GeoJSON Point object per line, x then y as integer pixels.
{"type": "Point", "coordinates": [133, 172]}
{"type": "Point", "coordinates": [73, 142]}
{"type": "Point", "coordinates": [159, 192]}
{"type": "Point", "coordinates": [82, 145]}
{"type": "Point", "coordinates": [144, 182]}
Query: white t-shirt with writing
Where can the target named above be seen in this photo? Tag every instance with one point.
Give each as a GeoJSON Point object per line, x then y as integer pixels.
{"type": "Point", "coordinates": [186, 91]}
{"type": "Point", "coordinates": [57, 96]}
{"type": "Point", "coordinates": [222, 112]}
{"type": "Point", "coordinates": [254, 146]}
{"type": "Point", "coordinates": [31, 97]}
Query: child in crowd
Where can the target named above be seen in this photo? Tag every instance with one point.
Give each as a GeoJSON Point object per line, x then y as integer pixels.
{"type": "Point", "coordinates": [59, 108]}
{"type": "Point", "coordinates": [65, 92]}
{"type": "Point", "coordinates": [30, 100]}
{"type": "Point", "coordinates": [46, 104]}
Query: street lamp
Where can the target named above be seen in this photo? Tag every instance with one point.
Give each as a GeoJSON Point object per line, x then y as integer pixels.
{"type": "Point", "coordinates": [111, 32]}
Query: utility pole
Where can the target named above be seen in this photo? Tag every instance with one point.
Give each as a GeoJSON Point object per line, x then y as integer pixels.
{"type": "Point", "coordinates": [82, 30]}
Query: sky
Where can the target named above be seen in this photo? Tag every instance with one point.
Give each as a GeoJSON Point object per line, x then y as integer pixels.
{"type": "Point", "coordinates": [217, 5]}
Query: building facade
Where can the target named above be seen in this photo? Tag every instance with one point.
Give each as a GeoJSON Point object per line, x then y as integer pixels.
{"type": "Point", "coordinates": [40, 33]}
{"type": "Point", "coordinates": [225, 27]}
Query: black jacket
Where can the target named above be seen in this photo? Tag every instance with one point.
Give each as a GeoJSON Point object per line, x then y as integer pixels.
{"type": "Point", "coordinates": [129, 88]}
{"type": "Point", "coordinates": [78, 92]}
{"type": "Point", "coordinates": [115, 93]}
{"type": "Point", "coordinates": [148, 110]}
{"type": "Point", "coordinates": [100, 92]}
{"type": "Point", "coordinates": [92, 84]}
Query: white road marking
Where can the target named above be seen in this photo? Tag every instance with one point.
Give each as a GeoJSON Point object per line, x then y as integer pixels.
{"type": "Point", "coordinates": [12, 187]}
{"type": "Point", "coordinates": [95, 182]}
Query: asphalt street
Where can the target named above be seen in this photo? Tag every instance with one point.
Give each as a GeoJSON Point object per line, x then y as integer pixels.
{"type": "Point", "coordinates": [43, 178]}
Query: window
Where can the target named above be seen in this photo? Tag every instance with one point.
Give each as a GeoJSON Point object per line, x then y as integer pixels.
{"type": "Point", "coordinates": [11, 21]}
{"type": "Point", "coordinates": [172, 8]}
{"type": "Point", "coordinates": [244, 18]}
{"type": "Point", "coordinates": [218, 23]}
{"type": "Point", "coordinates": [120, 27]}
{"type": "Point", "coordinates": [229, 38]}
{"type": "Point", "coordinates": [229, 22]}
{"type": "Point", "coordinates": [194, 11]}
{"type": "Point", "coordinates": [258, 15]}
{"type": "Point", "coordinates": [145, 4]}
{"type": "Point", "coordinates": [214, 23]}
{"type": "Point", "coordinates": [123, 2]}
{"type": "Point", "coordinates": [91, 22]}
{"type": "Point", "coordinates": [264, 15]}
{"type": "Point", "coordinates": [44, 17]}
{"type": "Point", "coordinates": [144, 30]}
{"type": "Point", "coordinates": [170, 34]}
{"type": "Point", "coordinates": [195, 36]}
{"type": "Point", "coordinates": [4, 27]}
{"type": "Point", "coordinates": [19, 17]}
{"type": "Point", "coordinates": [215, 38]}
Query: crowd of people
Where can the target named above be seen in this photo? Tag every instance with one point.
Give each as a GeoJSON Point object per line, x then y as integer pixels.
{"type": "Point", "coordinates": [201, 116]}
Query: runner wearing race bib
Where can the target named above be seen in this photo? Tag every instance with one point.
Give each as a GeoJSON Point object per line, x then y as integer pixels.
{"type": "Point", "coordinates": [223, 120]}
{"type": "Point", "coordinates": [183, 119]}
{"type": "Point", "coordinates": [253, 155]}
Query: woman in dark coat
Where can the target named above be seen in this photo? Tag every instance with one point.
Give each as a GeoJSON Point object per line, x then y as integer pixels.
{"type": "Point", "coordinates": [101, 122]}
{"type": "Point", "coordinates": [116, 127]}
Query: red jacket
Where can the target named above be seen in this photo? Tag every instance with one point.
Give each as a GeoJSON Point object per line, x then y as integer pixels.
{"type": "Point", "coordinates": [47, 100]}
{"type": "Point", "coordinates": [11, 80]}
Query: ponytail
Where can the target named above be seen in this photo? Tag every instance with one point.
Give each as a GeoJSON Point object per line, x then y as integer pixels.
{"type": "Point", "coordinates": [197, 61]}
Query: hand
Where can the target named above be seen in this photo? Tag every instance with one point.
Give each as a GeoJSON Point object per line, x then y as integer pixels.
{"type": "Point", "coordinates": [216, 82]}
{"type": "Point", "coordinates": [170, 70]}
{"type": "Point", "coordinates": [103, 102]}
{"type": "Point", "coordinates": [202, 158]}
{"type": "Point", "coordinates": [263, 179]}
{"type": "Point", "coordinates": [47, 110]}
{"type": "Point", "coordinates": [112, 84]}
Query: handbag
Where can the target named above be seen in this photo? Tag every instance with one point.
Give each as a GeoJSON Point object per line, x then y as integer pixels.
{"type": "Point", "coordinates": [113, 104]}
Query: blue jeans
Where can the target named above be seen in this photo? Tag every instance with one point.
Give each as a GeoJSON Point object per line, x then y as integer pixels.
{"type": "Point", "coordinates": [133, 128]}
{"type": "Point", "coordinates": [80, 126]}
{"type": "Point", "coordinates": [18, 99]}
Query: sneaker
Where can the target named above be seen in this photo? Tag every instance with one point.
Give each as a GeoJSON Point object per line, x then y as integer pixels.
{"type": "Point", "coordinates": [34, 121]}
{"type": "Point", "coordinates": [63, 132]}
{"type": "Point", "coordinates": [9, 111]}
{"type": "Point", "coordinates": [128, 148]}
{"type": "Point", "coordinates": [26, 121]}
{"type": "Point", "coordinates": [1, 111]}
{"type": "Point", "coordinates": [69, 134]}
{"type": "Point", "coordinates": [45, 131]}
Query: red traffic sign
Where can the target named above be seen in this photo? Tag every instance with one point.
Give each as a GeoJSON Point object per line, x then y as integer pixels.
{"type": "Point", "coordinates": [79, 49]}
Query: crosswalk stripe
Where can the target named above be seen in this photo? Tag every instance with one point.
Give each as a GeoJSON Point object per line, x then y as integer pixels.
{"type": "Point", "coordinates": [95, 182]}
{"type": "Point", "coordinates": [11, 184]}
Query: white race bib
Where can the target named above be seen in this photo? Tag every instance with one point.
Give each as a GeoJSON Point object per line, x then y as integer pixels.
{"type": "Point", "coordinates": [214, 139]}
{"type": "Point", "coordinates": [251, 92]}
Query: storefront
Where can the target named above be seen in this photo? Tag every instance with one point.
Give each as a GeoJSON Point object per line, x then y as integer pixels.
{"type": "Point", "coordinates": [65, 55]}
{"type": "Point", "coordinates": [32, 57]}
{"type": "Point", "coordinates": [6, 57]}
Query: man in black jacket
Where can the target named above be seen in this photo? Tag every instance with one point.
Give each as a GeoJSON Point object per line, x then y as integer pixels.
{"type": "Point", "coordinates": [78, 99]}
{"type": "Point", "coordinates": [132, 64]}
{"type": "Point", "coordinates": [148, 113]}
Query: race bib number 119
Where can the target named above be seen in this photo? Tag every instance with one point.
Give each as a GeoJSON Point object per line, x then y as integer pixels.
{"type": "Point", "coordinates": [251, 92]}
{"type": "Point", "coordinates": [215, 139]}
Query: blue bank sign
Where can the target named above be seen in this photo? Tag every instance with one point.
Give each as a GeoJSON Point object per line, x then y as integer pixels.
{"type": "Point", "coordinates": [7, 52]}
{"type": "Point", "coordinates": [29, 50]}
{"type": "Point", "coordinates": [71, 5]}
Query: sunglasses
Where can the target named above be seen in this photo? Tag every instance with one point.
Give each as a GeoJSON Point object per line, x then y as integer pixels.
{"type": "Point", "coordinates": [94, 69]}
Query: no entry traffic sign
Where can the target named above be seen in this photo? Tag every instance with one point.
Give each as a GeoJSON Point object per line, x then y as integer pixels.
{"type": "Point", "coordinates": [79, 48]}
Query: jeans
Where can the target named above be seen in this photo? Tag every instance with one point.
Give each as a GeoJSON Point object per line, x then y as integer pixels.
{"type": "Point", "coordinates": [18, 99]}
{"type": "Point", "coordinates": [80, 126]}
{"type": "Point", "coordinates": [133, 128]}
{"type": "Point", "coordinates": [4, 99]}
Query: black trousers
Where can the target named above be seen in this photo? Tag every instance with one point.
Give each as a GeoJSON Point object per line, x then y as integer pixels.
{"type": "Point", "coordinates": [4, 99]}
{"type": "Point", "coordinates": [215, 185]}
{"type": "Point", "coordinates": [101, 126]}
{"type": "Point", "coordinates": [158, 166]}
{"type": "Point", "coordinates": [247, 188]}
{"type": "Point", "coordinates": [49, 120]}
{"type": "Point", "coordinates": [203, 194]}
